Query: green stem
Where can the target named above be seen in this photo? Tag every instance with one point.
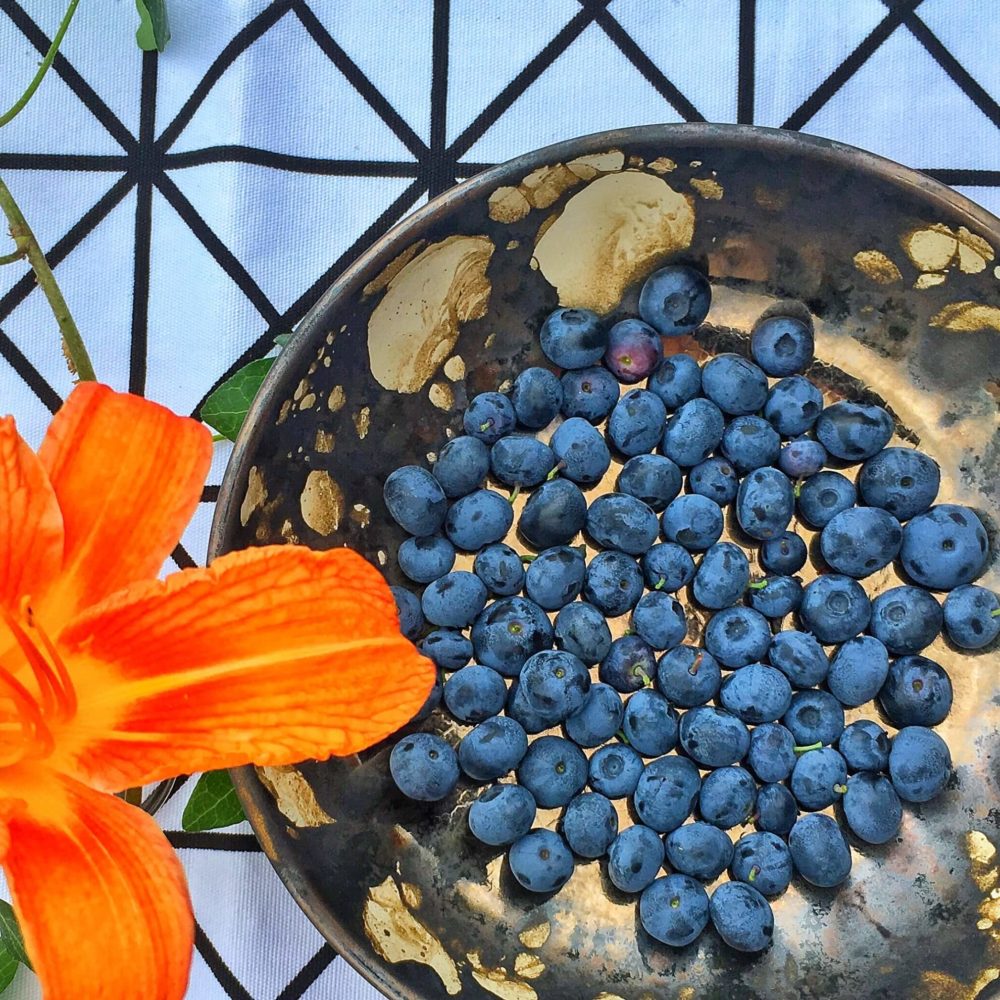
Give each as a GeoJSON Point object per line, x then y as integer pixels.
{"type": "Point", "coordinates": [812, 746]}
{"type": "Point", "coordinates": [759, 585]}
{"type": "Point", "coordinates": [995, 614]}
{"type": "Point", "coordinates": [76, 351]}
{"type": "Point", "coordinates": [12, 258]}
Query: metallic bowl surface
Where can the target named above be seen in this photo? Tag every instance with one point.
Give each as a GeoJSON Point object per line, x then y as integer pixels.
{"type": "Point", "coordinates": [897, 272]}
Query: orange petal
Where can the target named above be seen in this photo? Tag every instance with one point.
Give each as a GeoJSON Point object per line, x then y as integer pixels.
{"type": "Point", "coordinates": [128, 475]}
{"type": "Point", "coordinates": [31, 526]}
{"type": "Point", "coordinates": [270, 655]}
{"type": "Point", "coordinates": [99, 893]}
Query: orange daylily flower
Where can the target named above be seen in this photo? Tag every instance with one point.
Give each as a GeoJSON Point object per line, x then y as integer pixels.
{"type": "Point", "coordinates": [110, 678]}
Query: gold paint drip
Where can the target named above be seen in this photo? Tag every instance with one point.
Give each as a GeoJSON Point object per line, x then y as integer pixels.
{"type": "Point", "coordinates": [876, 265]}
{"type": "Point", "coordinates": [321, 502]}
{"type": "Point", "coordinates": [294, 797]}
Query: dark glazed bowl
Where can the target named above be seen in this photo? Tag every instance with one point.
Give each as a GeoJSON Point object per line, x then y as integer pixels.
{"type": "Point", "coordinates": [899, 275]}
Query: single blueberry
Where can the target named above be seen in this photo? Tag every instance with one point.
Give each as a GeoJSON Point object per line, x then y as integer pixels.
{"type": "Point", "coordinates": [835, 608]}
{"type": "Point", "coordinates": [728, 796]}
{"type": "Point", "coordinates": [520, 460]}
{"type": "Point", "coordinates": [716, 479]}
{"type": "Point", "coordinates": [917, 692]}
{"type": "Point", "coordinates": [674, 300]}
{"type": "Point", "coordinates": [541, 861]}
{"type": "Point", "coordinates": [553, 515]}
{"type": "Point", "coordinates": [772, 752]}
{"type": "Point", "coordinates": [677, 380]}
{"type": "Point", "coordinates": [461, 466]}
{"type": "Point", "coordinates": [776, 596]}
{"type": "Point", "coordinates": [688, 676]}
{"type": "Point", "coordinates": [659, 619]}
{"type": "Point", "coordinates": [411, 618]}
{"type": "Point", "coordinates": [693, 432]}
{"type": "Point", "coordinates": [814, 717]}
{"type": "Point", "coordinates": [634, 858]}
{"type": "Point", "coordinates": [590, 824]}
{"type": "Point", "coordinates": [903, 481]}
{"type": "Point", "coordinates": [653, 479]}
{"type": "Point", "coordinates": [537, 397]}
{"type": "Point", "coordinates": [756, 693]}
{"type": "Point", "coordinates": [500, 568]}
{"type": "Point", "coordinates": [945, 547]}
{"type": "Point", "coordinates": [784, 554]}
{"type": "Point", "coordinates": [742, 916]}
{"type": "Point", "coordinates": [722, 576]}
{"type": "Point", "coordinates": [858, 670]}
{"type": "Point", "coordinates": [751, 443]}
{"type": "Point", "coordinates": [555, 577]}
{"type": "Point", "coordinates": [580, 450]}
{"type": "Point", "coordinates": [700, 850]}
{"type": "Point", "coordinates": [737, 386]}
{"type": "Point", "coordinates": [776, 809]}
{"type": "Point", "coordinates": [765, 503]}
{"type": "Point", "coordinates": [860, 540]}
{"type": "Point", "coordinates": [919, 764]}
{"type": "Point", "coordinates": [634, 350]}
{"type": "Point", "coordinates": [666, 793]}
{"type": "Point", "coordinates": [573, 338]}
{"type": "Point", "coordinates": [872, 808]}
{"type": "Point", "coordinates": [495, 747]}
{"type": "Point", "coordinates": [667, 566]}
{"type": "Point", "coordinates": [424, 767]}
{"type": "Point", "coordinates": [854, 431]}
{"type": "Point", "coordinates": [713, 737]}
{"type": "Point", "coordinates": [598, 718]}
{"type": "Point", "coordinates": [763, 861]}
{"type": "Point", "coordinates": [613, 583]}
{"type": "Point", "coordinates": [474, 693]}
{"type": "Point", "coordinates": [619, 521]}
{"type": "Point", "coordinates": [820, 851]}
{"type": "Point", "coordinates": [864, 745]}
{"type": "Point", "coordinates": [582, 630]}
{"type": "Point", "coordinates": [692, 521]}
{"type": "Point", "coordinates": [629, 665]}
{"type": "Point", "coordinates": [489, 417]}
{"type": "Point", "coordinates": [972, 616]}
{"type": "Point", "coordinates": [906, 619]}
{"type": "Point", "coordinates": [793, 405]}
{"type": "Point", "coordinates": [590, 393]}
{"type": "Point", "coordinates": [649, 723]}
{"type": "Point", "coordinates": [819, 778]}
{"type": "Point", "coordinates": [615, 771]}
{"type": "Point", "coordinates": [553, 770]}
{"type": "Point", "coordinates": [478, 519]}
{"type": "Point", "coordinates": [507, 632]}
{"type": "Point", "coordinates": [554, 682]}
{"type": "Point", "coordinates": [636, 424]}
{"type": "Point", "coordinates": [455, 600]}
{"type": "Point", "coordinates": [674, 910]}
{"type": "Point", "coordinates": [426, 558]}
{"type": "Point", "coordinates": [799, 657]}
{"type": "Point", "coordinates": [738, 636]}
{"type": "Point", "coordinates": [802, 458]}
{"type": "Point", "coordinates": [502, 814]}
{"type": "Point", "coordinates": [823, 496]}
{"type": "Point", "coordinates": [782, 345]}
{"type": "Point", "coordinates": [448, 648]}
{"type": "Point", "coordinates": [415, 500]}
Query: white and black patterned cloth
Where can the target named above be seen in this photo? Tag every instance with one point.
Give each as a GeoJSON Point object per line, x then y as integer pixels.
{"type": "Point", "coordinates": [195, 204]}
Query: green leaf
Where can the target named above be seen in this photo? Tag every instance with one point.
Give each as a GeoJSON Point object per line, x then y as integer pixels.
{"type": "Point", "coordinates": [154, 26]}
{"type": "Point", "coordinates": [282, 339]}
{"type": "Point", "coordinates": [226, 408]}
{"type": "Point", "coordinates": [8, 967]}
{"type": "Point", "coordinates": [10, 934]}
{"type": "Point", "coordinates": [213, 804]}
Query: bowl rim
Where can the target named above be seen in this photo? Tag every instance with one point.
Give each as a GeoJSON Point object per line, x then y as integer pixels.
{"type": "Point", "coordinates": [257, 803]}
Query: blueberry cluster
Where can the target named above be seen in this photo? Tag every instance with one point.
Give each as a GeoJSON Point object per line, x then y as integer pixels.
{"type": "Point", "coordinates": [747, 726]}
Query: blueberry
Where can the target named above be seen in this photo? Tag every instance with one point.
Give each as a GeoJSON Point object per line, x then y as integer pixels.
{"type": "Point", "coordinates": [582, 630]}
{"type": "Point", "coordinates": [455, 600]}
{"type": "Point", "coordinates": [650, 724]}
{"type": "Point", "coordinates": [693, 432]}
{"type": "Point", "coordinates": [776, 596]}
{"type": "Point", "coordinates": [674, 300]}
{"type": "Point", "coordinates": [507, 632]}
{"type": "Point", "coordinates": [581, 451]}
{"type": "Point", "coordinates": [864, 745]}
{"type": "Point", "coordinates": [765, 503]}
{"type": "Point", "coordinates": [426, 558]}
{"type": "Point", "coordinates": [489, 417]}
{"type": "Point", "coordinates": [785, 553]}
{"type": "Point", "coordinates": [793, 405]}
{"type": "Point", "coordinates": [537, 397]}
{"type": "Point", "coordinates": [613, 583]}
{"type": "Point", "coordinates": [906, 619]}
{"type": "Point", "coordinates": [903, 481]}
{"type": "Point", "coordinates": [495, 747]}
{"type": "Point", "coordinates": [700, 850]}
{"type": "Point", "coordinates": [763, 861]}
{"type": "Point", "coordinates": [553, 770]}
{"type": "Point", "coordinates": [554, 513]}
{"type": "Point", "coordinates": [917, 692]}
{"type": "Point", "coordinates": [722, 577]}
{"type": "Point", "coordinates": [819, 778]}
{"type": "Point", "coordinates": [776, 809]}
{"type": "Point", "coordinates": [750, 443]}
{"type": "Point", "coordinates": [819, 850]}
{"type": "Point", "coordinates": [411, 618]}
{"type": "Point", "coordinates": [615, 770]}
{"type": "Point", "coordinates": [823, 496]}
{"type": "Point", "coordinates": [666, 793]}
{"type": "Point", "coordinates": [854, 431]}
{"type": "Point", "coordinates": [688, 676]}
{"type": "Point", "coordinates": [474, 693]}
{"type": "Point", "coordinates": [799, 657]}
{"type": "Point", "coordinates": [737, 386]}
{"type": "Point", "coordinates": [872, 807]}
{"type": "Point", "coordinates": [590, 393]}
{"type": "Point", "coordinates": [415, 500]}
{"type": "Point", "coordinates": [634, 350]}
{"type": "Point", "coordinates": [858, 670]}
{"type": "Point", "coordinates": [716, 479]}
{"type": "Point", "coordinates": [944, 547]}
{"type": "Point", "coordinates": [531, 719]}
{"type": "Point", "coordinates": [802, 458]}
{"type": "Point", "coordinates": [478, 519]}
{"type": "Point", "coordinates": [814, 717]}
{"type": "Point", "coordinates": [541, 861]}
{"type": "Point", "coordinates": [620, 521]}
{"type": "Point", "coordinates": [728, 796]}
{"type": "Point", "coordinates": [713, 737]}
{"type": "Point", "coordinates": [521, 460]}
{"type": "Point", "coordinates": [742, 916]}
{"type": "Point", "coordinates": [637, 422]}
{"type": "Point", "coordinates": [972, 616]}
{"type": "Point", "coordinates": [919, 764]}
{"type": "Point", "coordinates": [448, 648]}
{"type": "Point", "coordinates": [668, 567]}
{"type": "Point", "coordinates": [500, 568]}
{"type": "Point", "coordinates": [674, 910]}
{"type": "Point", "coordinates": [629, 665]}
{"type": "Point", "coordinates": [555, 577]}
{"type": "Point", "coordinates": [782, 345]}
{"type": "Point", "coordinates": [692, 521]}
{"type": "Point", "coordinates": [659, 619]}
{"type": "Point", "coordinates": [860, 540]}
{"type": "Point", "coordinates": [554, 682]}
{"type": "Point", "coordinates": [502, 814]}
{"type": "Point", "coordinates": [590, 824]}
{"type": "Point", "coordinates": [598, 718]}
{"type": "Point", "coordinates": [835, 608]}
{"type": "Point", "coordinates": [738, 636]}
{"type": "Point", "coordinates": [772, 752]}
{"type": "Point", "coordinates": [634, 858]}
{"type": "Point", "coordinates": [461, 466]}
{"type": "Point", "coordinates": [677, 380]}
{"type": "Point", "coordinates": [573, 338]}
{"type": "Point", "coordinates": [424, 767]}
{"type": "Point", "coordinates": [653, 479]}
{"type": "Point", "coordinates": [756, 693]}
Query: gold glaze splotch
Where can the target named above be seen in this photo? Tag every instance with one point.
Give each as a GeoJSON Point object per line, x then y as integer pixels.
{"type": "Point", "coordinates": [876, 265]}
{"type": "Point", "coordinates": [938, 247]}
{"type": "Point", "coordinates": [441, 395]}
{"type": "Point", "coordinates": [335, 401]}
{"type": "Point", "coordinates": [528, 966]}
{"type": "Point", "coordinates": [454, 368]}
{"type": "Point", "coordinates": [255, 496]}
{"type": "Point", "coordinates": [321, 502]}
{"type": "Point", "coordinates": [294, 797]}
{"type": "Point", "coordinates": [609, 234]}
{"type": "Point", "coordinates": [967, 317]}
{"type": "Point", "coordinates": [535, 936]}
{"type": "Point", "coordinates": [708, 188]}
{"type": "Point", "coordinates": [415, 326]}
{"type": "Point", "coordinates": [498, 982]}
{"type": "Point", "coordinates": [398, 936]}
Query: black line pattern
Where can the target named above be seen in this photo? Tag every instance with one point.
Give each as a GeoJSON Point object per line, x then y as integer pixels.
{"type": "Point", "coordinates": [150, 165]}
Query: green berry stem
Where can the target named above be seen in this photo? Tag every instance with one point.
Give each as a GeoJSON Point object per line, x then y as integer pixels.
{"type": "Point", "coordinates": [528, 559]}
{"type": "Point", "coordinates": [840, 789]}
{"type": "Point", "coordinates": [620, 735]}
{"type": "Point", "coordinates": [661, 583]}
{"type": "Point", "coordinates": [696, 663]}
{"type": "Point", "coordinates": [754, 872]}
{"type": "Point", "coordinates": [514, 493]}
{"type": "Point", "coordinates": [995, 614]}
{"type": "Point", "coordinates": [758, 585]}
{"type": "Point", "coordinates": [812, 746]}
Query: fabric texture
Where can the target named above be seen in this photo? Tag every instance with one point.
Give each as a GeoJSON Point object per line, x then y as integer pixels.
{"type": "Point", "coordinates": [195, 204]}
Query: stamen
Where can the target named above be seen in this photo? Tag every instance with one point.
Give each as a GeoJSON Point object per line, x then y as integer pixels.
{"type": "Point", "coordinates": [62, 683]}
{"type": "Point", "coordinates": [43, 673]}
{"type": "Point", "coordinates": [34, 740]}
